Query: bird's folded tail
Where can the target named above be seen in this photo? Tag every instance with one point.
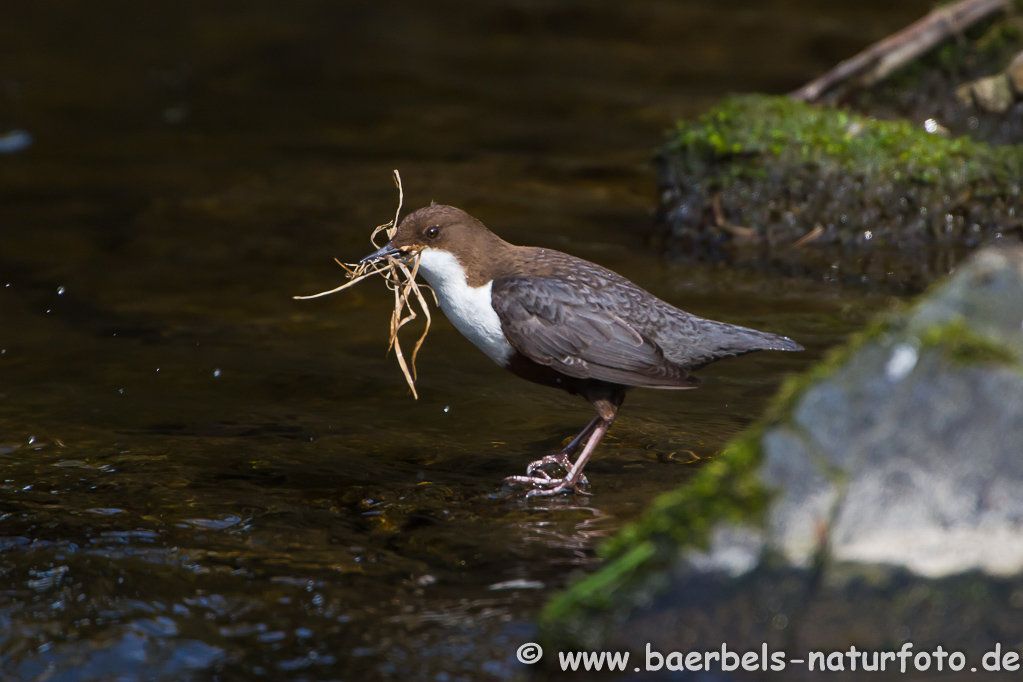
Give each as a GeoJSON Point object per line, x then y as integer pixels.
{"type": "Point", "coordinates": [718, 340]}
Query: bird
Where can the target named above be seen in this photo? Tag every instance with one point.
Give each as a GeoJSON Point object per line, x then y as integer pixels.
{"type": "Point", "coordinates": [564, 322]}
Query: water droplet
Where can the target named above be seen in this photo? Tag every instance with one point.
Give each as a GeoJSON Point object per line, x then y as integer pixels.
{"type": "Point", "coordinates": [447, 408]}
{"type": "Point", "coordinates": [60, 291]}
{"type": "Point", "coordinates": [216, 372]}
{"type": "Point", "coordinates": [31, 440]}
{"type": "Point", "coordinates": [902, 362]}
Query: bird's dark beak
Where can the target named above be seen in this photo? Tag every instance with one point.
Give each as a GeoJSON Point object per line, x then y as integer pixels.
{"type": "Point", "coordinates": [383, 252]}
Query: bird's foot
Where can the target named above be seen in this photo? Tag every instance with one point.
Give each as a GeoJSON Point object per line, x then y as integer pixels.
{"type": "Point", "coordinates": [561, 459]}
{"type": "Point", "coordinates": [545, 486]}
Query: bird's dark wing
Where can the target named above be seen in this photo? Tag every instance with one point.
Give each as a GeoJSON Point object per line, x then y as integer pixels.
{"type": "Point", "coordinates": [572, 328]}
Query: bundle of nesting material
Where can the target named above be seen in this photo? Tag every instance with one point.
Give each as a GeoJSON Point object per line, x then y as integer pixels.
{"type": "Point", "coordinates": [400, 277]}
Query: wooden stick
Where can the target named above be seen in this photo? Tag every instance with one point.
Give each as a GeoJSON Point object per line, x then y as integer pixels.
{"type": "Point", "coordinates": [878, 61]}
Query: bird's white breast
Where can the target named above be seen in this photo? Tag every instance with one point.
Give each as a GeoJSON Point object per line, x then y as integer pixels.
{"type": "Point", "coordinates": [468, 308]}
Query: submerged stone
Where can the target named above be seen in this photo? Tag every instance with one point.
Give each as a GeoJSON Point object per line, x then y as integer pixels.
{"type": "Point", "coordinates": [876, 504]}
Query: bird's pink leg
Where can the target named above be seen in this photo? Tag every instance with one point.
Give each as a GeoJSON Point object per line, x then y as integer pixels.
{"type": "Point", "coordinates": [606, 400]}
{"type": "Point", "coordinates": [575, 474]}
{"type": "Point", "coordinates": [545, 485]}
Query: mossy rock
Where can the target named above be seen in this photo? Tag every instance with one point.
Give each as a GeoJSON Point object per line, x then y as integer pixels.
{"type": "Point", "coordinates": [782, 185]}
{"type": "Point", "coordinates": [885, 477]}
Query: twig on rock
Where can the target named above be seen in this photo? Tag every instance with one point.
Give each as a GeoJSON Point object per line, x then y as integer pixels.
{"type": "Point", "coordinates": [878, 61]}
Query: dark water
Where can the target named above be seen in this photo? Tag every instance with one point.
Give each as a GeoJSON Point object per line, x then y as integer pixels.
{"type": "Point", "coordinates": [202, 478]}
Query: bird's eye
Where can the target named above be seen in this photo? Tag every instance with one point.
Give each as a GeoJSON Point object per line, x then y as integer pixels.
{"type": "Point", "coordinates": [432, 232]}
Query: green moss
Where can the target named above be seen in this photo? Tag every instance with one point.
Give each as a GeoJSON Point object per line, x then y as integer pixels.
{"type": "Point", "coordinates": [998, 40]}
{"type": "Point", "coordinates": [725, 489]}
{"type": "Point", "coordinates": [987, 48]}
{"type": "Point", "coordinates": [596, 590]}
{"type": "Point", "coordinates": [728, 489]}
{"type": "Point", "coordinates": [784, 403]}
{"type": "Point", "coordinates": [878, 193]}
{"type": "Point", "coordinates": [745, 133]}
{"type": "Point", "coordinates": [962, 345]}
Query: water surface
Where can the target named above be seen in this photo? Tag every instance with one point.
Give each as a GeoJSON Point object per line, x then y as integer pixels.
{"type": "Point", "coordinates": [205, 479]}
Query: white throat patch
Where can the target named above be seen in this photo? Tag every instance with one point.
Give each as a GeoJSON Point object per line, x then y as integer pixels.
{"type": "Point", "coordinates": [468, 308]}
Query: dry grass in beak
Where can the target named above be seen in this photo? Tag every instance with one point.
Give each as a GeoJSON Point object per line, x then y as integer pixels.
{"type": "Point", "coordinates": [402, 281]}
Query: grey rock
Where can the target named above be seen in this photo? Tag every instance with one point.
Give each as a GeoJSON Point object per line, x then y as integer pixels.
{"type": "Point", "coordinates": [986, 296]}
{"type": "Point", "coordinates": [907, 456]}
{"type": "Point", "coordinates": [896, 512]}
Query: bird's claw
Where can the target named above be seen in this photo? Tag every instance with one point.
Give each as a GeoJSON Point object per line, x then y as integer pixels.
{"type": "Point", "coordinates": [560, 459]}
{"type": "Point", "coordinates": [545, 486]}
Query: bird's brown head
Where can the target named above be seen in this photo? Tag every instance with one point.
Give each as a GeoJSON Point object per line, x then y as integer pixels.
{"type": "Point", "coordinates": [444, 228]}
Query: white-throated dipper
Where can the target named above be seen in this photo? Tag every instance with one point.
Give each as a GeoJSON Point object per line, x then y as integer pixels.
{"type": "Point", "coordinates": [562, 321]}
